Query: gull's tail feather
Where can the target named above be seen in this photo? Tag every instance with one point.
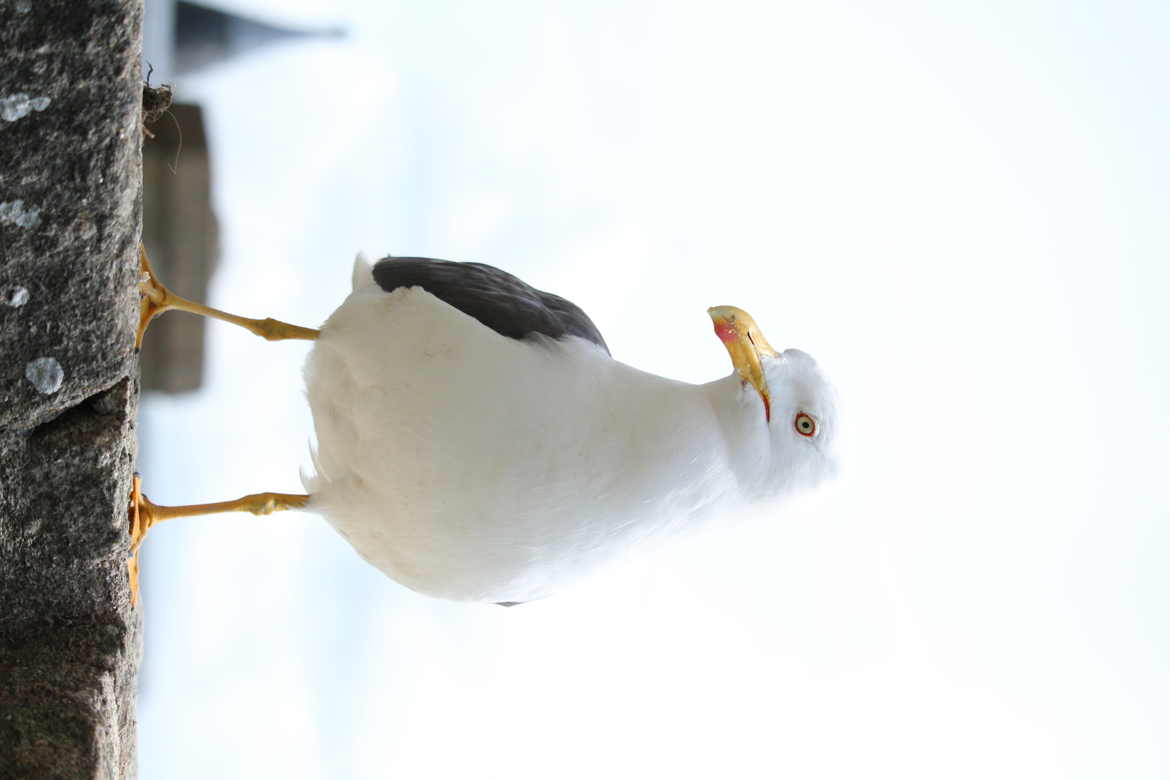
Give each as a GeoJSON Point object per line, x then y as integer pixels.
{"type": "Point", "coordinates": [363, 271]}
{"type": "Point", "coordinates": [312, 483]}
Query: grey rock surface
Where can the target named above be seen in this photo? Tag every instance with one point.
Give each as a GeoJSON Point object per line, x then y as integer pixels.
{"type": "Point", "coordinates": [70, 183]}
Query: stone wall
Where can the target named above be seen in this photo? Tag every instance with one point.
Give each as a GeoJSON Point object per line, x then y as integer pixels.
{"type": "Point", "coordinates": [70, 219]}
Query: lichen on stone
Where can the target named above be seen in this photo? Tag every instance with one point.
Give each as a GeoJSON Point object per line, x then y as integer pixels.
{"type": "Point", "coordinates": [13, 212]}
{"type": "Point", "coordinates": [19, 104]}
{"type": "Point", "coordinates": [13, 295]}
{"type": "Point", "coordinates": [45, 374]}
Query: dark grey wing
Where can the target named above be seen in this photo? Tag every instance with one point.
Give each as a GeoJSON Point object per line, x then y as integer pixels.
{"type": "Point", "coordinates": [494, 297]}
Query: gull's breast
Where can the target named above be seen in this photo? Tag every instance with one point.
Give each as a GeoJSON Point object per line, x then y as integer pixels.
{"type": "Point", "coordinates": [471, 466]}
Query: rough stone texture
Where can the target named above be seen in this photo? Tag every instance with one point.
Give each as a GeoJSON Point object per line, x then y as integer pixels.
{"type": "Point", "coordinates": [70, 140]}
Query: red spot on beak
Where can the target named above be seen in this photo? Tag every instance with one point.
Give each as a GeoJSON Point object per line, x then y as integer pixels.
{"type": "Point", "coordinates": [726, 332]}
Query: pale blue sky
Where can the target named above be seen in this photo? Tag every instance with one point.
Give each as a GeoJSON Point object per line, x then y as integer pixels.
{"type": "Point", "coordinates": [959, 210]}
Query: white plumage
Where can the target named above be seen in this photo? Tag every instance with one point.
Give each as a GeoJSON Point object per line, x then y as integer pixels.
{"type": "Point", "coordinates": [472, 466]}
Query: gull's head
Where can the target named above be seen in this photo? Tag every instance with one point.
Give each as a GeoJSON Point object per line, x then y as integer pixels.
{"type": "Point", "coordinates": [785, 411]}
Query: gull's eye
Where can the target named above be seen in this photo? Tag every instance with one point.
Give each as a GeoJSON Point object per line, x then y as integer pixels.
{"type": "Point", "coordinates": [805, 425]}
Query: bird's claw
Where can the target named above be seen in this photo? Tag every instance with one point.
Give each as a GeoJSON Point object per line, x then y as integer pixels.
{"type": "Point", "coordinates": [140, 519]}
{"type": "Point", "coordinates": [155, 296]}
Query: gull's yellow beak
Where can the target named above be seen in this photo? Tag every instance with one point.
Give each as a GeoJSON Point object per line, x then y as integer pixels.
{"type": "Point", "coordinates": [746, 344]}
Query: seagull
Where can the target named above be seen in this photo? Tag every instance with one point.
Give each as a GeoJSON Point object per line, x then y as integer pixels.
{"type": "Point", "coordinates": [476, 440]}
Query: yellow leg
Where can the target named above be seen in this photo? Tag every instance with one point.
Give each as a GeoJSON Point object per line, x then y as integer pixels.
{"type": "Point", "coordinates": [156, 299]}
{"type": "Point", "coordinates": [145, 514]}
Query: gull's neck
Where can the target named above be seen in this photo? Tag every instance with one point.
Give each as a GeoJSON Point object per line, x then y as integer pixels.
{"type": "Point", "coordinates": [739, 416]}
